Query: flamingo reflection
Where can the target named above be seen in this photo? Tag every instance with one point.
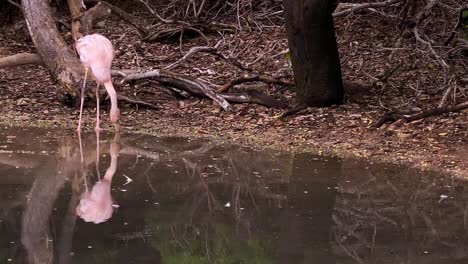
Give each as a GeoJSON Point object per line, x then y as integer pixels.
{"type": "Point", "coordinates": [96, 206]}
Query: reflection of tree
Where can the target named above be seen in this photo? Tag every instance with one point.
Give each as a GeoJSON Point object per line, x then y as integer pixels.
{"type": "Point", "coordinates": [231, 204]}
{"type": "Point", "coordinates": [210, 242]}
{"type": "Point", "coordinates": [223, 193]}
{"type": "Point", "coordinates": [36, 236]}
{"type": "Point", "coordinates": [400, 216]}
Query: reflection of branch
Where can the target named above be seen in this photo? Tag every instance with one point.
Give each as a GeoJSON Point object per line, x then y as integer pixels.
{"type": "Point", "coordinates": [130, 150]}
{"type": "Point", "coordinates": [19, 161]}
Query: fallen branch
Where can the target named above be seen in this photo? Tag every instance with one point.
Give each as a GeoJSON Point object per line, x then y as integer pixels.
{"type": "Point", "coordinates": [356, 7]}
{"type": "Point", "coordinates": [180, 81]}
{"type": "Point", "coordinates": [154, 13]}
{"type": "Point", "coordinates": [437, 111]}
{"type": "Point", "coordinates": [136, 102]}
{"type": "Point", "coordinates": [194, 87]}
{"type": "Point", "coordinates": [283, 52]}
{"type": "Point", "coordinates": [457, 26]}
{"type": "Point", "coordinates": [398, 118]}
{"type": "Point", "coordinates": [255, 97]}
{"type": "Point", "coordinates": [200, 28]}
{"type": "Point", "coordinates": [126, 17]}
{"type": "Point", "coordinates": [431, 49]}
{"type": "Point", "coordinates": [210, 50]}
{"type": "Point", "coordinates": [20, 59]}
{"type": "Point", "coordinates": [294, 110]}
{"type": "Point", "coordinates": [257, 78]}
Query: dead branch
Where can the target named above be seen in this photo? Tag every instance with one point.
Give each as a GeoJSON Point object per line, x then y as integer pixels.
{"type": "Point", "coordinates": [182, 82]}
{"type": "Point", "coordinates": [294, 110]}
{"type": "Point", "coordinates": [101, 11]}
{"type": "Point", "coordinates": [457, 26]}
{"type": "Point", "coordinates": [20, 59]}
{"type": "Point", "coordinates": [89, 18]}
{"type": "Point", "coordinates": [181, 26]}
{"type": "Point", "coordinates": [445, 97]}
{"type": "Point", "coordinates": [347, 8]}
{"type": "Point", "coordinates": [398, 118]}
{"type": "Point", "coordinates": [431, 49]}
{"type": "Point", "coordinates": [14, 3]}
{"type": "Point", "coordinates": [437, 111]}
{"type": "Point", "coordinates": [194, 87]}
{"type": "Point", "coordinates": [126, 17]}
{"type": "Point", "coordinates": [283, 52]}
{"type": "Point", "coordinates": [210, 50]}
{"type": "Point", "coordinates": [257, 78]}
{"type": "Point", "coordinates": [124, 98]}
{"type": "Point", "coordinates": [255, 97]}
{"type": "Point", "coordinates": [154, 13]}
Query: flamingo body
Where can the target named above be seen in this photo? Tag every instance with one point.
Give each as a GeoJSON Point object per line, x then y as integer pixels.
{"type": "Point", "coordinates": [97, 53]}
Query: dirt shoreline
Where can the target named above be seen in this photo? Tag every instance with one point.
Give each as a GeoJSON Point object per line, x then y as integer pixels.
{"type": "Point", "coordinates": [275, 135]}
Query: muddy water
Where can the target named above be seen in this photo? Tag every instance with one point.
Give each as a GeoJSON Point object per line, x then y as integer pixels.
{"type": "Point", "coordinates": [140, 199]}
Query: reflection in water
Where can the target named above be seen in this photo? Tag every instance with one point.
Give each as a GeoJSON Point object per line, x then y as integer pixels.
{"type": "Point", "coordinates": [96, 206]}
{"type": "Point", "coordinates": [194, 201]}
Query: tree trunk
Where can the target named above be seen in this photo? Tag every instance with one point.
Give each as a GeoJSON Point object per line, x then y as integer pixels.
{"type": "Point", "coordinates": [314, 51]}
{"type": "Point", "coordinates": [57, 56]}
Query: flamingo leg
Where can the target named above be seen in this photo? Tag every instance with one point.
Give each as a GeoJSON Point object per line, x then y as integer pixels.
{"type": "Point", "coordinates": [98, 154]}
{"type": "Point", "coordinates": [82, 99]}
{"type": "Point", "coordinates": [98, 128]}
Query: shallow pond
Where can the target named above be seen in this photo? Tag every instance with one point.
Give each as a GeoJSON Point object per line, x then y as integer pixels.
{"type": "Point", "coordinates": [173, 200]}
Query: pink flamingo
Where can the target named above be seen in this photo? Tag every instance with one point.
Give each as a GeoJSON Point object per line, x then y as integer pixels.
{"type": "Point", "coordinates": [96, 53]}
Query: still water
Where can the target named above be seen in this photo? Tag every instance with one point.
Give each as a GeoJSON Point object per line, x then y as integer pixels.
{"type": "Point", "coordinates": [139, 199]}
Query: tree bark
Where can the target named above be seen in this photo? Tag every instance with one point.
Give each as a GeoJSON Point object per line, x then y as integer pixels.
{"type": "Point", "coordinates": [314, 51]}
{"type": "Point", "coordinates": [60, 60]}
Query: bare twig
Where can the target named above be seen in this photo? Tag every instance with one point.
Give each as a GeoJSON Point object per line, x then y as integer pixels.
{"type": "Point", "coordinates": [357, 7]}
{"type": "Point", "coordinates": [126, 17]}
{"type": "Point", "coordinates": [14, 3]}
{"type": "Point", "coordinates": [210, 50]}
{"type": "Point", "coordinates": [257, 78]}
{"type": "Point", "coordinates": [431, 49]}
{"type": "Point", "coordinates": [136, 102]}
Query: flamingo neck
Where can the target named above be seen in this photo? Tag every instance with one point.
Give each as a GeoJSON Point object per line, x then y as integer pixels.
{"type": "Point", "coordinates": [112, 94]}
